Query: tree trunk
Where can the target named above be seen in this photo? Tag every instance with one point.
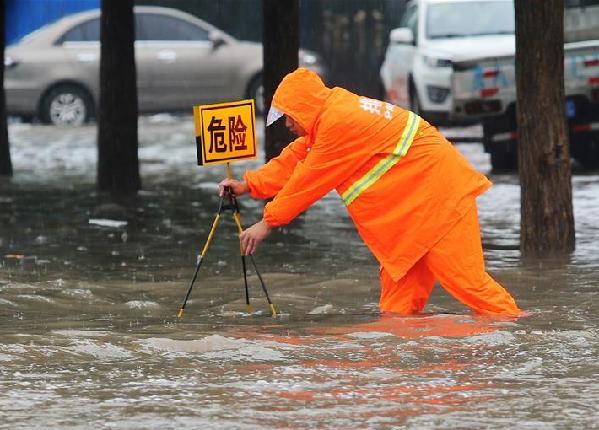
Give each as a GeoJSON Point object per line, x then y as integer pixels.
{"type": "Point", "coordinates": [280, 41]}
{"type": "Point", "coordinates": [547, 220]}
{"type": "Point", "coordinates": [118, 164]}
{"type": "Point", "coordinates": [5, 163]}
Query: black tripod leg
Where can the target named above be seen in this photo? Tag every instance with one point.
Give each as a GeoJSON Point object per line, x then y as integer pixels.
{"type": "Point", "coordinates": [237, 218]}
{"type": "Point", "coordinates": [273, 308]}
{"type": "Point", "coordinates": [195, 275]}
{"type": "Point", "coordinates": [201, 256]}
{"type": "Point", "coordinates": [248, 306]}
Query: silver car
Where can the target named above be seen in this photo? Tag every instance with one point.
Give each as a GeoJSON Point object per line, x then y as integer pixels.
{"type": "Point", "coordinates": [53, 73]}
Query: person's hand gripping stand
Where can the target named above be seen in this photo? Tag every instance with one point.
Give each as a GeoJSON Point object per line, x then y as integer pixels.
{"type": "Point", "coordinates": [251, 238]}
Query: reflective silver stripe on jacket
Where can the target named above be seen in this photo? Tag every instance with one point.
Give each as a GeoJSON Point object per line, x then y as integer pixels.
{"type": "Point", "coordinates": [382, 166]}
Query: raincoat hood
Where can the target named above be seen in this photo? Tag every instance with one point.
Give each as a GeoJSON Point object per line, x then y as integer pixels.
{"type": "Point", "coordinates": [302, 96]}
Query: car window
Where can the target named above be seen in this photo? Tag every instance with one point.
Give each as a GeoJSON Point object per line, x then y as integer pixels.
{"type": "Point", "coordinates": [88, 31]}
{"type": "Point", "coordinates": [407, 16]}
{"type": "Point", "coordinates": [467, 19]}
{"type": "Point", "coordinates": [410, 20]}
{"type": "Point", "coordinates": [413, 25]}
{"type": "Point", "coordinates": [160, 27]}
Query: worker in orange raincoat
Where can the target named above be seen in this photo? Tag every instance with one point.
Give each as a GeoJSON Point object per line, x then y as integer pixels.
{"type": "Point", "coordinates": [410, 193]}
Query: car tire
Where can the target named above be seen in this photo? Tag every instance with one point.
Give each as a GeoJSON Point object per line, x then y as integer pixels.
{"type": "Point", "coordinates": [256, 92]}
{"type": "Point", "coordinates": [414, 101]}
{"type": "Point", "coordinates": [415, 105]}
{"type": "Point", "coordinates": [588, 154]}
{"type": "Point", "coordinates": [503, 161]}
{"type": "Point", "coordinates": [503, 154]}
{"type": "Point", "coordinates": [66, 105]}
{"type": "Point", "coordinates": [382, 92]}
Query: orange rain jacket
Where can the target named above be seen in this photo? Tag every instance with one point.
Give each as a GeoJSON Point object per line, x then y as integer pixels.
{"type": "Point", "coordinates": [405, 211]}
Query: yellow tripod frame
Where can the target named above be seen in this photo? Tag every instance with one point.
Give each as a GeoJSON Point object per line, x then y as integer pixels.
{"type": "Point", "coordinates": [234, 206]}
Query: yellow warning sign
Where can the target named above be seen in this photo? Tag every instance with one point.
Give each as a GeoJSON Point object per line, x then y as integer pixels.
{"type": "Point", "coordinates": [225, 132]}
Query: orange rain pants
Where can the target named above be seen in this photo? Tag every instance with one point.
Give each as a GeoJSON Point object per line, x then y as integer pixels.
{"type": "Point", "coordinates": [457, 262]}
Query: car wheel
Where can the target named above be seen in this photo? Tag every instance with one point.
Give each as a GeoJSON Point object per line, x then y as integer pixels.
{"type": "Point", "coordinates": [66, 105]}
{"type": "Point", "coordinates": [414, 101]}
{"type": "Point", "coordinates": [383, 92]}
{"type": "Point", "coordinates": [588, 152]}
{"type": "Point", "coordinates": [503, 161]}
{"type": "Point", "coordinates": [416, 107]}
{"type": "Point", "coordinates": [256, 92]}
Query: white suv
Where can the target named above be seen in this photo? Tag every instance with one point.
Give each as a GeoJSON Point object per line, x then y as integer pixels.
{"type": "Point", "coordinates": [416, 73]}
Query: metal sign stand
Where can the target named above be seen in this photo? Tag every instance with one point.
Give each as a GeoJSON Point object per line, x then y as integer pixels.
{"type": "Point", "coordinates": [232, 205]}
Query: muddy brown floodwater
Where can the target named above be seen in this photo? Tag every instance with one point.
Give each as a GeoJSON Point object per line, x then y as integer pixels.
{"type": "Point", "coordinates": [89, 294]}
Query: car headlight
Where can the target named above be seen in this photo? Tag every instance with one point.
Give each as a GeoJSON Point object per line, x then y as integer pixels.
{"type": "Point", "coordinates": [436, 61]}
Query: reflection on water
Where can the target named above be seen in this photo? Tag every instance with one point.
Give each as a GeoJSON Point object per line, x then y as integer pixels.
{"type": "Point", "coordinates": [89, 293]}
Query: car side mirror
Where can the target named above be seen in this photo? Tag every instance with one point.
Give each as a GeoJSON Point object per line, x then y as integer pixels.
{"type": "Point", "coordinates": [217, 40]}
{"type": "Point", "coordinates": [402, 35]}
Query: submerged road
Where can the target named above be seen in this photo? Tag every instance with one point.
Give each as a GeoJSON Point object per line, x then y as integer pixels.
{"type": "Point", "coordinates": [89, 294]}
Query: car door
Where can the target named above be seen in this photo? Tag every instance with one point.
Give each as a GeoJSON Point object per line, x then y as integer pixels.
{"type": "Point", "coordinates": [183, 63]}
{"type": "Point", "coordinates": [402, 58]}
{"type": "Point", "coordinates": [81, 63]}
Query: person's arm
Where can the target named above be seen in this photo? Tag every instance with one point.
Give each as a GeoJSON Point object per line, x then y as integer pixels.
{"type": "Point", "coordinates": [324, 168]}
{"type": "Point", "coordinates": [270, 178]}
{"type": "Point", "coordinates": [267, 180]}
{"type": "Point", "coordinates": [310, 180]}
{"type": "Point", "coordinates": [263, 183]}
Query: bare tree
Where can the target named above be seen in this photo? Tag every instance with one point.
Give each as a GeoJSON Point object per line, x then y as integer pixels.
{"type": "Point", "coordinates": [280, 41]}
{"type": "Point", "coordinates": [5, 163]}
{"type": "Point", "coordinates": [547, 220]}
{"type": "Point", "coordinates": [118, 163]}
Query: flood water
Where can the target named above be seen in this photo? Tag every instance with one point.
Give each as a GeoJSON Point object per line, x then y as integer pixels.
{"type": "Point", "coordinates": [89, 294]}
